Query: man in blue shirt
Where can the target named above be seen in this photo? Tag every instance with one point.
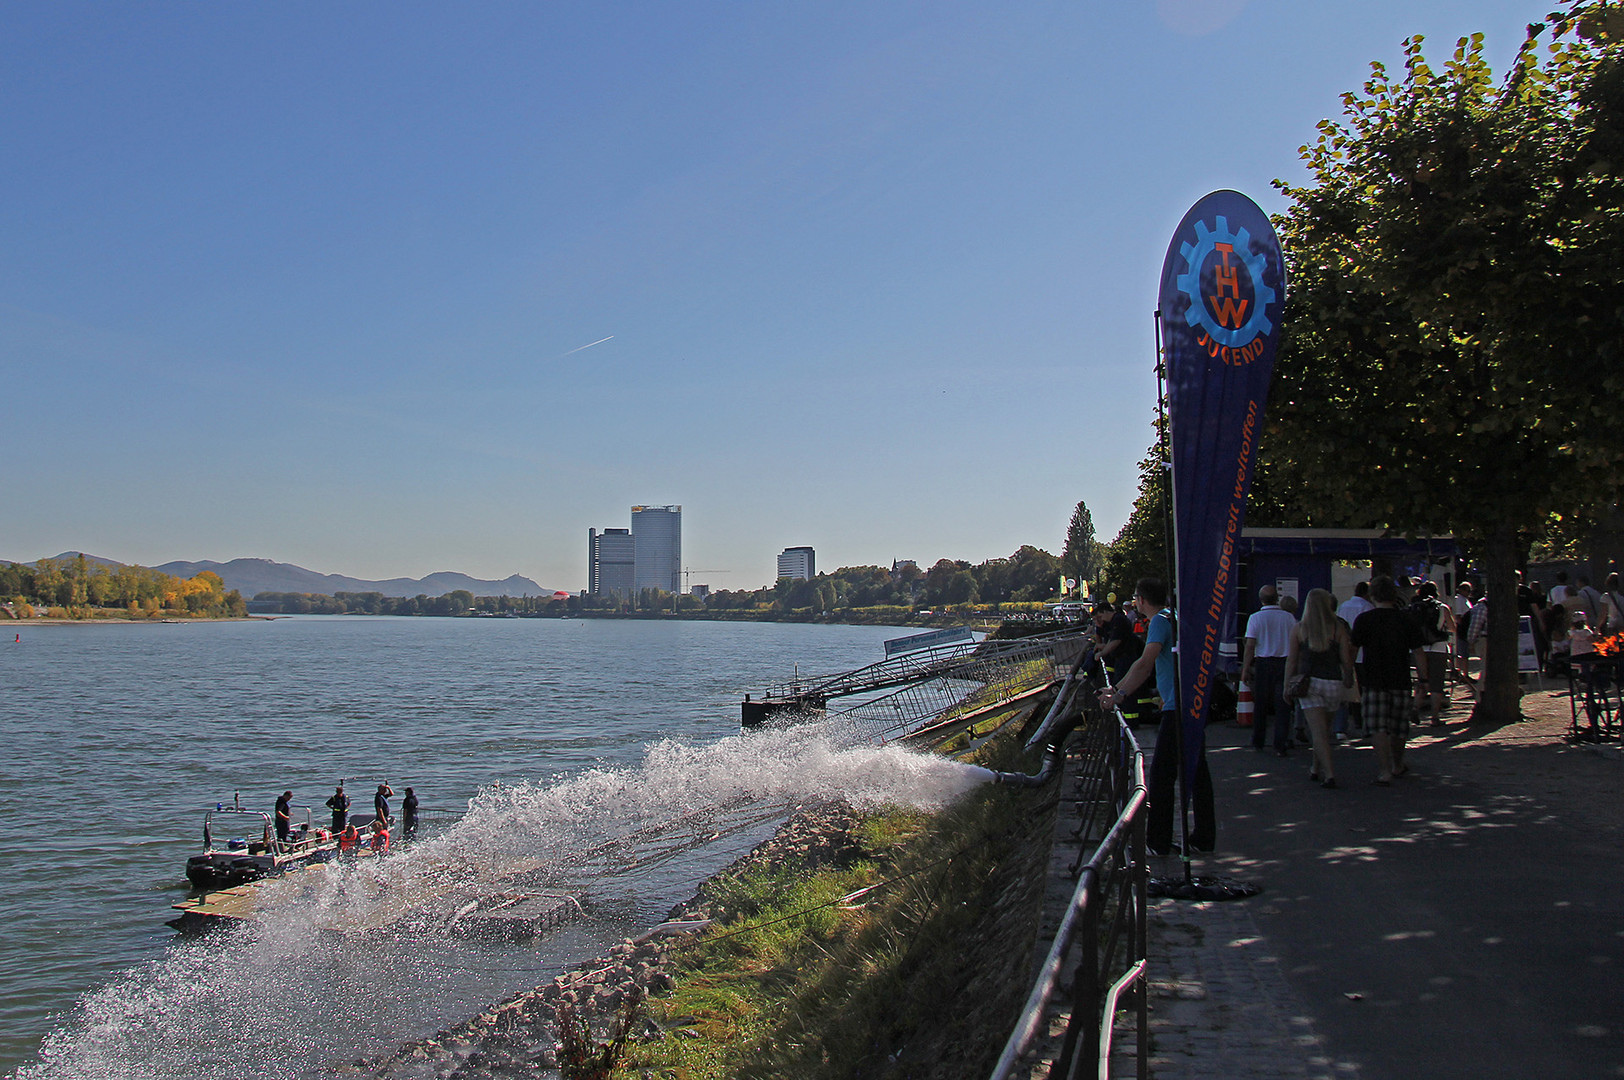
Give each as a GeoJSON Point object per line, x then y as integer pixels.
{"type": "Point", "coordinates": [1150, 599]}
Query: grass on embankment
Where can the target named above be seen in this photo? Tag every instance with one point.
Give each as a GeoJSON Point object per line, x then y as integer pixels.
{"type": "Point", "coordinates": [921, 977]}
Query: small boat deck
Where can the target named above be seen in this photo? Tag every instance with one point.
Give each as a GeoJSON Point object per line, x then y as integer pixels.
{"type": "Point", "coordinates": [501, 908]}
{"type": "Point", "coordinates": [223, 906]}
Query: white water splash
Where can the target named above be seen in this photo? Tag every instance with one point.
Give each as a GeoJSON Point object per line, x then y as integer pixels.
{"type": "Point", "coordinates": [807, 762]}
{"type": "Point", "coordinates": [289, 997]}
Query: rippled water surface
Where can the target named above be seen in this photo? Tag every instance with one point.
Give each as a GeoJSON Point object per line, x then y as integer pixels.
{"type": "Point", "coordinates": [562, 733]}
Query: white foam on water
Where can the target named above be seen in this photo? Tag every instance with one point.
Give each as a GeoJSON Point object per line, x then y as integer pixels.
{"type": "Point", "coordinates": [288, 997]}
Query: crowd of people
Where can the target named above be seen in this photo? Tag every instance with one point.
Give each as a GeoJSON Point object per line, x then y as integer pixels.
{"type": "Point", "coordinates": [1569, 618]}
{"type": "Point", "coordinates": [1378, 664]}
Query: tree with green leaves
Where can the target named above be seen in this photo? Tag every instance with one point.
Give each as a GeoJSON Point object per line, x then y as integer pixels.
{"type": "Point", "coordinates": [1081, 557]}
{"type": "Point", "coordinates": [1449, 357]}
{"type": "Point", "coordinates": [1140, 547]}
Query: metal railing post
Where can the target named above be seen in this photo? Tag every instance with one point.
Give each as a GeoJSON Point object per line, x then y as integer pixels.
{"type": "Point", "coordinates": [1116, 870]}
{"type": "Point", "coordinates": [1140, 870]}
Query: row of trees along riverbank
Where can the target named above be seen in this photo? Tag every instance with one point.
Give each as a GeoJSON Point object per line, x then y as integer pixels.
{"type": "Point", "coordinates": [1449, 359]}
{"type": "Point", "coordinates": [77, 588]}
{"type": "Point", "coordinates": [854, 593]}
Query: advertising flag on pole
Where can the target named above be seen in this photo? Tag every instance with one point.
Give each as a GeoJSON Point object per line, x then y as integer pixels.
{"type": "Point", "coordinates": [1223, 288]}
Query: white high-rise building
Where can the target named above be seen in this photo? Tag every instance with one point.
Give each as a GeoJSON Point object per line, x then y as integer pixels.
{"type": "Point", "coordinates": [658, 532]}
{"type": "Point", "coordinates": [798, 563]}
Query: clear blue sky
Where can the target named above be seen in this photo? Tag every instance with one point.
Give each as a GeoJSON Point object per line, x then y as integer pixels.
{"type": "Point", "coordinates": [312, 282]}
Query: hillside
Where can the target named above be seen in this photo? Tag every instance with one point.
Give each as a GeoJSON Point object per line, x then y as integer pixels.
{"type": "Point", "coordinates": [252, 576]}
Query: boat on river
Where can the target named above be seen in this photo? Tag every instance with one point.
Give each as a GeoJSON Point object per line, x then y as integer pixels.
{"type": "Point", "coordinates": [240, 846]}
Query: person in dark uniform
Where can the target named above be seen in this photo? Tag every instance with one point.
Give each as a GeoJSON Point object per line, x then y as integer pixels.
{"type": "Point", "coordinates": [1115, 640]}
{"type": "Point", "coordinates": [284, 816]}
{"type": "Point", "coordinates": [408, 815]}
{"type": "Point", "coordinates": [380, 802]}
{"type": "Point", "coordinates": [339, 804]}
{"type": "Point", "coordinates": [1118, 645]}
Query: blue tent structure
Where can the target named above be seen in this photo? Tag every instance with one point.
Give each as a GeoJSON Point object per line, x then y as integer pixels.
{"type": "Point", "coordinates": [1308, 555]}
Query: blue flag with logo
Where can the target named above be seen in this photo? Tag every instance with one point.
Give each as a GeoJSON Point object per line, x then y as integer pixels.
{"type": "Point", "coordinates": [1223, 288]}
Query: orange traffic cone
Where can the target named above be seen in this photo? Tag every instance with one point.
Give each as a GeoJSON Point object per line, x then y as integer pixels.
{"type": "Point", "coordinates": [1243, 707]}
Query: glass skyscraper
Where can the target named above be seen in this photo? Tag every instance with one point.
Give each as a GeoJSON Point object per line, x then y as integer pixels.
{"type": "Point", "coordinates": [658, 532]}
{"type": "Point", "coordinates": [611, 561]}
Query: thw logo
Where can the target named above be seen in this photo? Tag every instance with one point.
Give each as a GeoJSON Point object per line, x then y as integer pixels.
{"type": "Point", "coordinates": [1231, 309]}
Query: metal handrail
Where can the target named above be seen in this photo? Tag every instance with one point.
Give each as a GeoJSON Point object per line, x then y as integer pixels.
{"type": "Point", "coordinates": [1133, 975]}
{"type": "Point", "coordinates": [1118, 860]}
{"type": "Point", "coordinates": [274, 845]}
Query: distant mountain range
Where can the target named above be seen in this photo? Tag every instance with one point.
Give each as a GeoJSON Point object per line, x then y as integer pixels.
{"type": "Point", "coordinates": [253, 576]}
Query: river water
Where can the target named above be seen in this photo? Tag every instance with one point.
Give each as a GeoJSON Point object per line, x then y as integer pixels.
{"type": "Point", "coordinates": [548, 736]}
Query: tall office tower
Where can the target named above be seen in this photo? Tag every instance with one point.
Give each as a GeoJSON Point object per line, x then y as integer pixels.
{"type": "Point", "coordinates": [611, 561]}
{"type": "Point", "coordinates": [797, 562]}
{"type": "Point", "coordinates": [658, 530]}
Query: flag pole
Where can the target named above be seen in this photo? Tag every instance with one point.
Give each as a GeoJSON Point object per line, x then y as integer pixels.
{"type": "Point", "coordinates": [1162, 438]}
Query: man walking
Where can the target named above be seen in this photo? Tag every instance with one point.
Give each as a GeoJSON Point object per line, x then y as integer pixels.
{"type": "Point", "coordinates": [1391, 641]}
{"type": "Point", "coordinates": [1268, 640]}
{"type": "Point", "coordinates": [1353, 607]}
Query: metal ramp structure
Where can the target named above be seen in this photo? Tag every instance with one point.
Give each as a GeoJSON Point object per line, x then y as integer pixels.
{"type": "Point", "coordinates": [904, 694]}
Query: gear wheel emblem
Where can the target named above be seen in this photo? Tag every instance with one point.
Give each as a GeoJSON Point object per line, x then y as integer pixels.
{"type": "Point", "coordinates": [1189, 283]}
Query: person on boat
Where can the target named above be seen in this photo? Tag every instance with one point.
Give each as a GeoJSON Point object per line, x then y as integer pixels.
{"type": "Point", "coordinates": [380, 802]}
{"type": "Point", "coordinates": [348, 840]}
{"type": "Point", "coordinates": [380, 837]}
{"type": "Point", "coordinates": [339, 804]}
{"type": "Point", "coordinates": [408, 815]}
{"type": "Point", "coordinates": [284, 816]}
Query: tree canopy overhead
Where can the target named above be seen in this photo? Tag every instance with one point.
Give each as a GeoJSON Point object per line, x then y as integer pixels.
{"type": "Point", "coordinates": [1450, 352]}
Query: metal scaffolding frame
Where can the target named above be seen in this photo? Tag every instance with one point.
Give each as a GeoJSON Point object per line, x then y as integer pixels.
{"type": "Point", "coordinates": [904, 694]}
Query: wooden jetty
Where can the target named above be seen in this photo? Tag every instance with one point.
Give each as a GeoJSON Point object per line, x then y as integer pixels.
{"type": "Point", "coordinates": [234, 905]}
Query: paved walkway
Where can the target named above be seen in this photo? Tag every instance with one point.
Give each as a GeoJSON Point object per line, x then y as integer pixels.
{"type": "Point", "coordinates": [1466, 922]}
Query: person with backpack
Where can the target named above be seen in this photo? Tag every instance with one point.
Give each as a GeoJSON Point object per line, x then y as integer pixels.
{"type": "Point", "coordinates": [1437, 625]}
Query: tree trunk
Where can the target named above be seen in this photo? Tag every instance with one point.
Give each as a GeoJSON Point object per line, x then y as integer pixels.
{"type": "Point", "coordinates": [1500, 693]}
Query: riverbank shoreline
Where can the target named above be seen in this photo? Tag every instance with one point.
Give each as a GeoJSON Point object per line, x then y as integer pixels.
{"type": "Point", "coordinates": [992, 910]}
{"type": "Point", "coordinates": [113, 620]}
{"type": "Point", "coordinates": [521, 1032]}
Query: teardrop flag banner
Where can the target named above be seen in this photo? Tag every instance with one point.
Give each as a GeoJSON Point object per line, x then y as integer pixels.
{"type": "Point", "coordinates": [1223, 290]}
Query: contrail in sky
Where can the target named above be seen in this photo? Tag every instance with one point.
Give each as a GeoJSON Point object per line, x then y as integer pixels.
{"type": "Point", "coordinates": [588, 345]}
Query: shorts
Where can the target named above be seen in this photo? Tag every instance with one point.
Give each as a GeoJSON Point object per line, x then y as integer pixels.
{"type": "Point", "coordinates": [1388, 712]}
{"type": "Point", "coordinates": [1323, 694]}
{"type": "Point", "coordinates": [1437, 668]}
